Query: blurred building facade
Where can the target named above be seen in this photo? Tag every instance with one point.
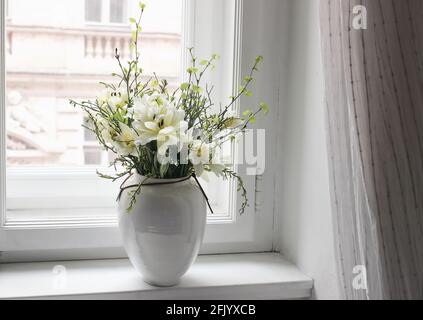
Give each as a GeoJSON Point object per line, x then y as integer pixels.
{"type": "Point", "coordinates": [58, 50]}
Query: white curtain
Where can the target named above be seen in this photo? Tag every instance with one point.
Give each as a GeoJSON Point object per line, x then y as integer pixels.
{"type": "Point", "coordinates": [374, 92]}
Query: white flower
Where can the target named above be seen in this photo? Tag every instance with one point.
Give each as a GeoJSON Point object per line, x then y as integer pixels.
{"type": "Point", "coordinates": [200, 152]}
{"type": "Point", "coordinates": [118, 99]}
{"type": "Point", "coordinates": [124, 142]}
{"type": "Point", "coordinates": [113, 99]}
{"type": "Point", "coordinates": [207, 156]}
{"type": "Point", "coordinates": [199, 156]}
{"type": "Point", "coordinates": [156, 119]}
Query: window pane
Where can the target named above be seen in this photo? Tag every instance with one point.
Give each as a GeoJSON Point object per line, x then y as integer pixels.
{"type": "Point", "coordinates": [118, 10]}
{"type": "Point", "coordinates": [89, 136]}
{"type": "Point", "coordinates": [54, 56]}
{"type": "Point", "coordinates": [93, 10]}
{"type": "Point", "coordinates": [92, 155]}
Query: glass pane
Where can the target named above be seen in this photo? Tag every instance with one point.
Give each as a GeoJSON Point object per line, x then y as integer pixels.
{"type": "Point", "coordinates": [53, 56]}
{"type": "Point", "coordinates": [118, 10]}
{"type": "Point", "coordinates": [93, 10]}
{"type": "Point", "coordinates": [92, 155]}
{"type": "Point", "coordinates": [89, 136]}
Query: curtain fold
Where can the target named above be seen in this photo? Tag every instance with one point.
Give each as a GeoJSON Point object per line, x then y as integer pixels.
{"type": "Point", "coordinates": [374, 93]}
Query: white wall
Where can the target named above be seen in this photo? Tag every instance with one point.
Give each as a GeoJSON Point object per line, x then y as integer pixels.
{"type": "Point", "coordinates": [305, 221]}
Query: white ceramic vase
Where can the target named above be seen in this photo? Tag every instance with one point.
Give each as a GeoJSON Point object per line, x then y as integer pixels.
{"type": "Point", "coordinates": [163, 232]}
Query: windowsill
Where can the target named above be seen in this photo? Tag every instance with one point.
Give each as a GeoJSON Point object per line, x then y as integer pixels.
{"type": "Point", "coordinates": [239, 276]}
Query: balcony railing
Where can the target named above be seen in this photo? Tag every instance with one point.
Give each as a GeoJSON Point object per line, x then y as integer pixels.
{"type": "Point", "coordinates": [85, 44]}
{"type": "Point", "coordinates": [97, 46]}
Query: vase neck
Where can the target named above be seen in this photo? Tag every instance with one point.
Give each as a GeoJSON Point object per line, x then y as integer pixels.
{"type": "Point", "coordinates": [155, 181]}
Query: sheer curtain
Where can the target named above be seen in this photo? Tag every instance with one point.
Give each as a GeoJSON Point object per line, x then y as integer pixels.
{"type": "Point", "coordinates": [374, 92]}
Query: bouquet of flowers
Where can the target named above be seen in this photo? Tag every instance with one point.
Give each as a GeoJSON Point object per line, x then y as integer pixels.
{"type": "Point", "coordinates": [165, 134]}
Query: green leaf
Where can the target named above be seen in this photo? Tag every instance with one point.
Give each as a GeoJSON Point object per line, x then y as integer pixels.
{"type": "Point", "coordinates": [142, 5]}
{"type": "Point", "coordinates": [248, 93]}
{"type": "Point", "coordinates": [247, 113]}
{"type": "Point", "coordinates": [204, 62]}
{"type": "Point", "coordinates": [252, 120]}
{"type": "Point", "coordinates": [159, 101]}
{"type": "Point", "coordinates": [196, 89]}
{"type": "Point", "coordinates": [192, 70]}
{"type": "Point", "coordinates": [264, 107]}
{"type": "Point", "coordinates": [185, 86]}
{"type": "Point", "coordinates": [132, 20]}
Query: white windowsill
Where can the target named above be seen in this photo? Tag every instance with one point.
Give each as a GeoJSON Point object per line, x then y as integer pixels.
{"type": "Point", "coordinates": [240, 276]}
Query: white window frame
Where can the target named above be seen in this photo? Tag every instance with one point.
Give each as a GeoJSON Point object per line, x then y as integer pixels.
{"type": "Point", "coordinates": [98, 237]}
{"type": "Point", "coordinates": [105, 15]}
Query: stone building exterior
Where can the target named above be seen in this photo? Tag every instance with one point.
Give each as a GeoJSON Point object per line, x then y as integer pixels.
{"type": "Point", "coordinates": [58, 50]}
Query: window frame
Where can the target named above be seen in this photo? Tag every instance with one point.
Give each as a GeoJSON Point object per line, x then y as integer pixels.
{"type": "Point", "coordinates": [99, 237]}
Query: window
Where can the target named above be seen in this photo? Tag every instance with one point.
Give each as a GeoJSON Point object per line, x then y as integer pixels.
{"type": "Point", "coordinates": [49, 187]}
{"type": "Point", "coordinates": [118, 11]}
{"type": "Point", "coordinates": [53, 58]}
{"type": "Point", "coordinates": [93, 10]}
{"type": "Point", "coordinates": [106, 11]}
